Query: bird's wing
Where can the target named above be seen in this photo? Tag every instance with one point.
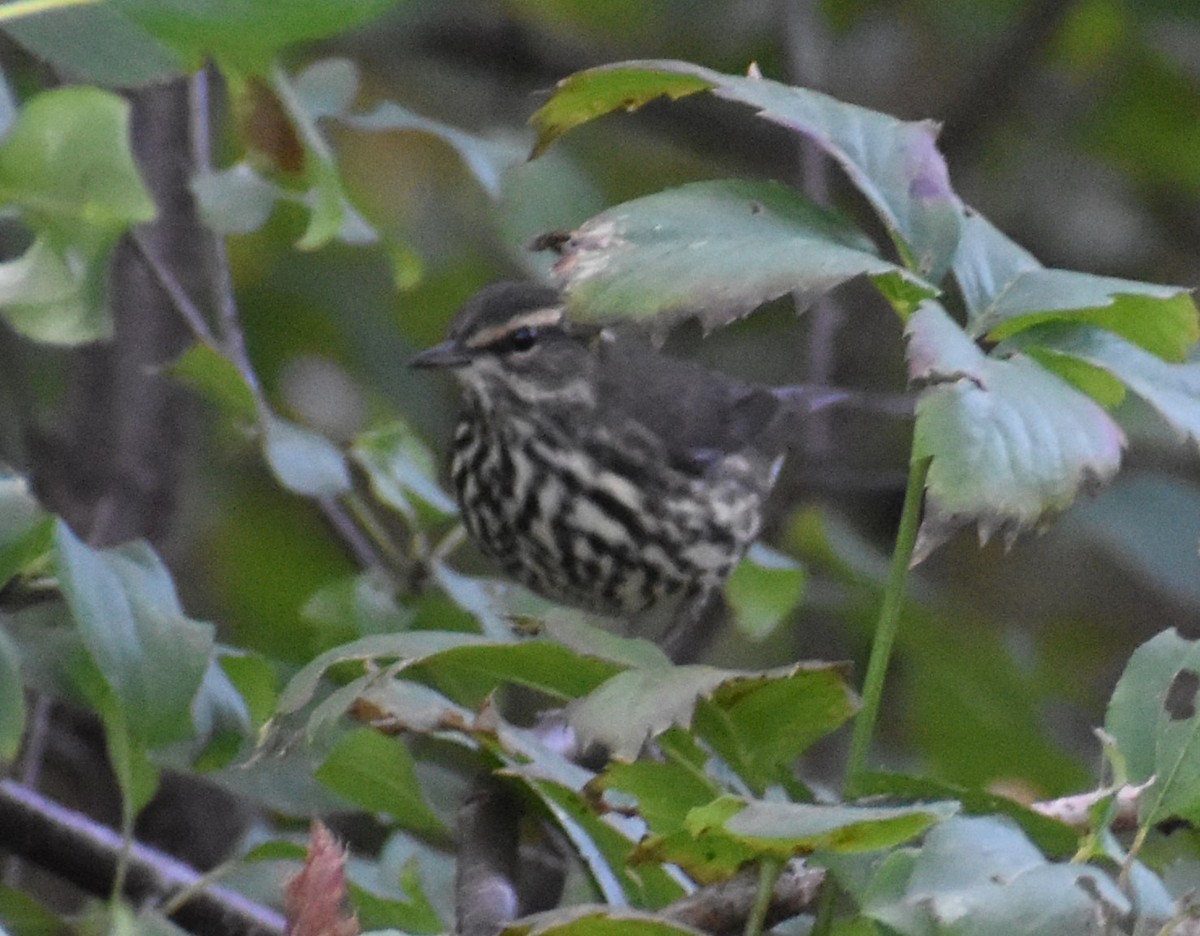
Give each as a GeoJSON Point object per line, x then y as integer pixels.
{"type": "Point", "coordinates": [698, 414]}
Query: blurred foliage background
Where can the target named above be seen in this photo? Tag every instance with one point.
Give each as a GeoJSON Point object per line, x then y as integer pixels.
{"type": "Point", "coordinates": [1072, 124]}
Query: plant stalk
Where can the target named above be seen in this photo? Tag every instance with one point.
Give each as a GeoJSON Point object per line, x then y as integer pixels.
{"type": "Point", "coordinates": [886, 628]}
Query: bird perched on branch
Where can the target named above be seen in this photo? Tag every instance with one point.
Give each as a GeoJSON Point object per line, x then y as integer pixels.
{"type": "Point", "coordinates": [598, 471]}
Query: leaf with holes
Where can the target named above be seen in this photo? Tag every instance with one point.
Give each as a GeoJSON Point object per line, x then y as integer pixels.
{"type": "Point", "coordinates": [1153, 718]}
{"type": "Point", "coordinates": [714, 250]}
{"type": "Point", "coordinates": [894, 163]}
{"type": "Point", "coordinates": [757, 721]}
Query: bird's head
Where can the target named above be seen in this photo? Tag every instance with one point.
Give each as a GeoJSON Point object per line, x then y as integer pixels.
{"type": "Point", "coordinates": [513, 339]}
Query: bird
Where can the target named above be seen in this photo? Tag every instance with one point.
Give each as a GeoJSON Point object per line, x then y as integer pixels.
{"type": "Point", "coordinates": [600, 472]}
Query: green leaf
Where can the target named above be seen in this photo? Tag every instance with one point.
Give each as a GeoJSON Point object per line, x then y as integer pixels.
{"type": "Point", "coordinates": [570, 628]}
{"type": "Point", "coordinates": [398, 464]}
{"type": "Point", "coordinates": [895, 164]}
{"type": "Point", "coordinates": [12, 699]}
{"type": "Point", "coordinates": [1149, 522]}
{"type": "Point", "coordinates": [417, 914]}
{"type": "Point", "coordinates": [665, 791]}
{"type": "Point", "coordinates": [303, 461]}
{"type": "Point", "coordinates": [67, 162]}
{"type": "Point", "coordinates": [590, 94]}
{"type": "Point", "coordinates": [604, 850]}
{"type": "Point", "coordinates": [247, 34]}
{"type": "Point", "coordinates": [96, 43]}
{"type": "Point", "coordinates": [760, 723]}
{"type": "Point", "coordinates": [26, 916]}
{"type": "Point", "coordinates": [989, 880]}
{"type": "Point", "coordinates": [68, 166]}
{"type": "Point", "coordinates": [327, 87]}
{"type": "Point", "coordinates": [151, 656]}
{"type": "Point", "coordinates": [236, 200]}
{"type": "Point", "coordinates": [401, 705]}
{"type": "Point", "coordinates": [478, 597]}
{"type": "Point", "coordinates": [1096, 382]}
{"type": "Point", "coordinates": [376, 773]}
{"type": "Point", "coordinates": [487, 160]}
{"type": "Point", "coordinates": [636, 705]}
{"type": "Point", "coordinates": [364, 601]}
{"type": "Point", "coordinates": [222, 718]}
{"type": "Point", "coordinates": [786, 829]}
{"type": "Point", "coordinates": [715, 250]}
{"type": "Point", "coordinates": [1007, 291]}
{"type": "Point", "coordinates": [460, 658]}
{"type": "Point", "coordinates": [254, 678]}
{"type": "Point", "coordinates": [1173, 390]}
{"type": "Point", "coordinates": [408, 646]}
{"type": "Point", "coordinates": [214, 376]}
{"type": "Point", "coordinates": [26, 531]}
{"type": "Point", "coordinates": [589, 920]}
{"type": "Point", "coordinates": [757, 721]}
{"type": "Point", "coordinates": [328, 207]}
{"type": "Point", "coordinates": [469, 672]}
{"type": "Point", "coordinates": [46, 300]}
{"type": "Point", "coordinates": [1153, 718]}
{"type": "Point", "coordinates": [765, 588]}
{"type": "Point", "coordinates": [128, 754]}
{"type": "Point", "coordinates": [725, 834]}
{"type": "Point", "coordinates": [1011, 443]}
{"type": "Point", "coordinates": [1050, 835]}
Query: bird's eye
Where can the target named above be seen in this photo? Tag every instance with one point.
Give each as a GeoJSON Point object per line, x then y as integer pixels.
{"type": "Point", "coordinates": [522, 339]}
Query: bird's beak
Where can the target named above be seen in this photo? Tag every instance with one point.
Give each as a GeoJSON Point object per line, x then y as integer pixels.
{"type": "Point", "coordinates": [446, 354]}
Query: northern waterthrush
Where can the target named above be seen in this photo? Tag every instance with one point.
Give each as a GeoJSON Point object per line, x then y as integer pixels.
{"type": "Point", "coordinates": [598, 471]}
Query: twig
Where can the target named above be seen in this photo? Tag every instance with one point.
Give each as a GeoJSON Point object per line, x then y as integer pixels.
{"type": "Point", "coordinates": [805, 48]}
{"type": "Point", "coordinates": [724, 908]}
{"type": "Point", "coordinates": [1075, 810]}
{"type": "Point", "coordinates": [188, 310]}
{"type": "Point", "coordinates": [229, 326]}
{"type": "Point", "coordinates": [486, 887]}
{"type": "Point", "coordinates": [87, 854]}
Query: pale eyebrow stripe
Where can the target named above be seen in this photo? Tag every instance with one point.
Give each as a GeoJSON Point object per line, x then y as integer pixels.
{"type": "Point", "coordinates": [537, 318]}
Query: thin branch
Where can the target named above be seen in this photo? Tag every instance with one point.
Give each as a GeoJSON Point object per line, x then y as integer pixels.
{"type": "Point", "coordinates": [188, 310]}
{"type": "Point", "coordinates": [889, 623]}
{"type": "Point", "coordinates": [1075, 810]}
{"type": "Point", "coordinates": [805, 46]}
{"type": "Point", "coordinates": [486, 885]}
{"type": "Point", "coordinates": [87, 854]}
{"type": "Point", "coordinates": [724, 908]}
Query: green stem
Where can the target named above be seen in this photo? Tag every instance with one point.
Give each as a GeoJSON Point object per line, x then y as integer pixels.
{"type": "Point", "coordinates": [768, 874]}
{"type": "Point", "coordinates": [889, 623]}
